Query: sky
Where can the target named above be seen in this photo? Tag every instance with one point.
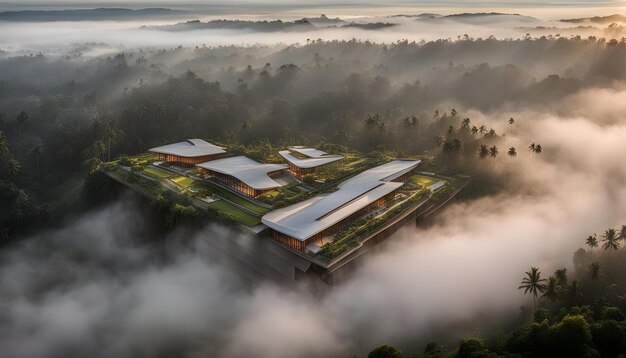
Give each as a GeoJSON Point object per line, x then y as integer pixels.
{"type": "Point", "coordinates": [357, 7]}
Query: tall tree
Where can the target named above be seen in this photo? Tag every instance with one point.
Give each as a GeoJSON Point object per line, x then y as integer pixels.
{"type": "Point", "coordinates": [111, 135]}
{"type": "Point", "coordinates": [594, 270]}
{"type": "Point", "coordinates": [575, 291]}
{"type": "Point", "coordinates": [4, 145]}
{"type": "Point", "coordinates": [512, 152]}
{"type": "Point", "coordinates": [533, 283]}
{"type": "Point", "coordinates": [610, 240]}
{"type": "Point", "coordinates": [493, 152]}
{"type": "Point", "coordinates": [511, 121]}
{"type": "Point", "coordinates": [13, 167]}
{"type": "Point", "coordinates": [552, 290]}
{"type": "Point", "coordinates": [561, 276]}
{"type": "Point", "coordinates": [483, 151]}
{"type": "Point", "coordinates": [592, 241]}
{"type": "Point", "coordinates": [36, 153]}
{"type": "Point", "coordinates": [466, 123]}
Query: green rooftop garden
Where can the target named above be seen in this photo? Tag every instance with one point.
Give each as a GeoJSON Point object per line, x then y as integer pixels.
{"type": "Point", "coordinates": [231, 212]}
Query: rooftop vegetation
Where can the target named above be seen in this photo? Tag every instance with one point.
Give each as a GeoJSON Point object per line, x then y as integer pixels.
{"type": "Point", "coordinates": [349, 237]}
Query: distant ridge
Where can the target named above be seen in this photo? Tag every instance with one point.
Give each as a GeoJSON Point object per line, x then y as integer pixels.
{"type": "Point", "coordinates": [260, 26]}
{"type": "Point", "coordinates": [87, 14]}
{"type": "Point", "coordinates": [598, 19]}
{"type": "Point", "coordinates": [481, 14]}
{"type": "Point", "coordinates": [480, 18]}
{"type": "Point", "coordinates": [267, 26]}
{"type": "Point", "coordinates": [426, 15]}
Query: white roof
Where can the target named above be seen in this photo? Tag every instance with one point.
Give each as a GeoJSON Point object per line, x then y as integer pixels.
{"type": "Point", "coordinates": [307, 218]}
{"type": "Point", "coordinates": [252, 173]}
{"type": "Point", "coordinates": [189, 148]}
{"type": "Point", "coordinates": [309, 162]}
{"type": "Point", "coordinates": [308, 152]}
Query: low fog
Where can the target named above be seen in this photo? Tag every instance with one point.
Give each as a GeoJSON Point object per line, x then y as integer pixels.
{"type": "Point", "coordinates": [56, 37]}
{"type": "Point", "coordinates": [99, 286]}
{"type": "Point", "coordinates": [90, 289]}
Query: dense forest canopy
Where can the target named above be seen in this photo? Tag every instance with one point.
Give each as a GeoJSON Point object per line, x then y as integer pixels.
{"type": "Point", "coordinates": [536, 120]}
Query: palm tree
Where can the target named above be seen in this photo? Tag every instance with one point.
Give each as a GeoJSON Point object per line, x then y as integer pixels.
{"type": "Point", "coordinates": [594, 270]}
{"type": "Point", "coordinates": [246, 127]}
{"type": "Point", "coordinates": [474, 130]}
{"type": "Point", "coordinates": [552, 290]}
{"type": "Point", "coordinates": [511, 121]}
{"type": "Point", "coordinates": [13, 167]}
{"type": "Point", "coordinates": [592, 241]}
{"type": "Point", "coordinates": [36, 154]}
{"type": "Point", "coordinates": [372, 121]}
{"type": "Point", "coordinates": [4, 145]}
{"type": "Point", "coordinates": [22, 120]}
{"type": "Point", "coordinates": [111, 134]}
{"type": "Point", "coordinates": [493, 152]}
{"type": "Point", "coordinates": [482, 129]}
{"type": "Point", "coordinates": [575, 291]}
{"type": "Point", "coordinates": [532, 147]}
{"type": "Point", "coordinates": [538, 149]}
{"type": "Point", "coordinates": [436, 115]}
{"type": "Point", "coordinates": [561, 276]}
{"type": "Point", "coordinates": [492, 133]}
{"type": "Point", "coordinates": [512, 152]}
{"type": "Point", "coordinates": [610, 240]}
{"type": "Point", "coordinates": [483, 151]}
{"type": "Point", "coordinates": [410, 121]}
{"type": "Point", "coordinates": [533, 283]}
{"type": "Point", "coordinates": [466, 123]}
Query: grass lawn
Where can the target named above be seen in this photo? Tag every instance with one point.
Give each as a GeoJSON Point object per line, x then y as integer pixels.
{"type": "Point", "coordinates": [235, 213]}
{"type": "Point", "coordinates": [183, 181]}
{"type": "Point", "coordinates": [158, 173]}
{"type": "Point", "coordinates": [202, 185]}
{"type": "Point", "coordinates": [423, 181]}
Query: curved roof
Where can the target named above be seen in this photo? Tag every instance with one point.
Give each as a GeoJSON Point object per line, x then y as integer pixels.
{"type": "Point", "coordinates": [189, 149]}
{"type": "Point", "coordinates": [308, 152]}
{"type": "Point", "coordinates": [250, 172]}
{"type": "Point", "coordinates": [309, 162]}
{"type": "Point", "coordinates": [307, 218]}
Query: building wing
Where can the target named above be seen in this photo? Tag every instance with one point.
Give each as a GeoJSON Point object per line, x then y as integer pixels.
{"type": "Point", "coordinates": [248, 171]}
{"type": "Point", "coordinates": [308, 218]}
{"type": "Point", "coordinates": [189, 148]}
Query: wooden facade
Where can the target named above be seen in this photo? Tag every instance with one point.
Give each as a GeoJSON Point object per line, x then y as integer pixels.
{"type": "Point", "coordinates": [301, 172]}
{"type": "Point", "coordinates": [240, 186]}
{"type": "Point", "coordinates": [190, 161]}
{"type": "Point", "coordinates": [334, 229]}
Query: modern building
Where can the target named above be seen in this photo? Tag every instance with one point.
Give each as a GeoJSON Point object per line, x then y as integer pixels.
{"type": "Point", "coordinates": [189, 152]}
{"type": "Point", "coordinates": [245, 175]}
{"type": "Point", "coordinates": [323, 216]}
{"type": "Point", "coordinates": [303, 160]}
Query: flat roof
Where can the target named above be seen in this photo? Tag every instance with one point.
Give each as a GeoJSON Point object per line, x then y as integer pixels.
{"type": "Point", "coordinates": [309, 217]}
{"type": "Point", "coordinates": [189, 148]}
{"type": "Point", "coordinates": [250, 172]}
{"type": "Point", "coordinates": [309, 162]}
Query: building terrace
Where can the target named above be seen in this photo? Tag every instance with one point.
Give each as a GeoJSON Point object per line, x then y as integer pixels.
{"type": "Point", "coordinates": [300, 224]}
{"type": "Point", "coordinates": [307, 160]}
{"type": "Point", "coordinates": [189, 152]}
{"type": "Point", "coordinates": [245, 175]}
